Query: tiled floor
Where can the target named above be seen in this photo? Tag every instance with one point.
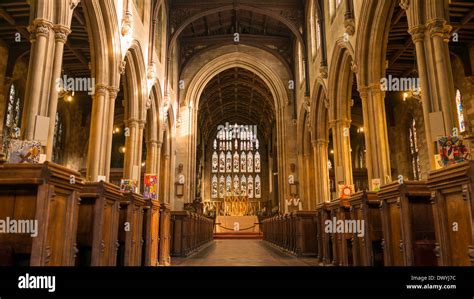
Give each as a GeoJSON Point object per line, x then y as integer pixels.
{"type": "Point", "coordinates": [242, 253]}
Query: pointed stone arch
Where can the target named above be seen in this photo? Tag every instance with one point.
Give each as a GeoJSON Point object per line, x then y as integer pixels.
{"type": "Point", "coordinates": [279, 92]}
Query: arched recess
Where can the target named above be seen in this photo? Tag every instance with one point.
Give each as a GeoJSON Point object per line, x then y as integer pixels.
{"type": "Point", "coordinates": [320, 122]}
{"type": "Point", "coordinates": [159, 30]}
{"type": "Point", "coordinates": [104, 39]}
{"type": "Point", "coordinates": [135, 100]}
{"type": "Point", "coordinates": [152, 129]}
{"type": "Point", "coordinates": [307, 161]}
{"type": "Point", "coordinates": [166, 158]}
{"type": "Point", "coordinates": [372, 38]}
{"type": "Point", "coordinates": [339, 94]}
{"type": "Point", "coordinates": [199, 81]}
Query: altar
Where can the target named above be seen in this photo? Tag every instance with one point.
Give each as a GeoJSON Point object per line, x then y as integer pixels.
{"type": "Point", "coordinates": [237, 224]}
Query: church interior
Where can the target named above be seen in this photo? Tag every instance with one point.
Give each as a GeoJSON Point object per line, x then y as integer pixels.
{"type": "Point", "coordinates": [236, 132]}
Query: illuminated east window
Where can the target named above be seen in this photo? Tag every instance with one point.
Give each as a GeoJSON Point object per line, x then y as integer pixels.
{"type": "Point", "coordinates": [236, 163]}
{"type": "Point", "coordinates": [459, 109]}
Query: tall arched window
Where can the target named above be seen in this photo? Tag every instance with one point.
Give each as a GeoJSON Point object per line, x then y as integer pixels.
{"type": "Point", "coordinates": [318, 34]}
{"type": "Point", "coordinates": [58, 140]}
{"type": "Point", "coordinates": [415, 159]}
{"type": "Point", "coordinates": [12, 123]}
{"type": "Point", "coordinates": [159, 32]}
{"type": "Point", "coordinates": [459, 109]}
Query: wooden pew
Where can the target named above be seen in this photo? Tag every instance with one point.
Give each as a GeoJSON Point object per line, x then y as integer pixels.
{"type": "Point", "coordinates": [407, 224]}
{"type": "Point", "coordinates": [190, 232]}
{"type": "Point", "coordinates": [179, 235]}
{"type": "Point", "coordinates": [151, 232]}
{"type": "Point", "coordinates": [48, 193]}
{"type": "Point", "coordinates": [97, 232]}
{"type": "Point", "coordinates": [340, 248]}
{"type": "Point", "coordinates": [130, 230]}
{"type": "Point", "coordinates": [367, 250]}
{"type": "Point", "coordinates": [452, 193]}
{"type": "Point", "coordinates": [325, 240]}
{"type": "Point", "coordinates": [165, 235]}
{"type": "Point", "coordinates": [305, 231]}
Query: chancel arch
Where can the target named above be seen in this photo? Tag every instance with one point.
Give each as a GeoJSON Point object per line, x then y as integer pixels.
{"type": "Point", "coordinates": [274, 83]}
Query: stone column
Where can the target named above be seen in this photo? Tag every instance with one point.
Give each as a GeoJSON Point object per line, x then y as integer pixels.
{"type": "Point", "coordinates": [439, 33]}
{"type": "Point", "coordinates": [166, 176]}
{"type": "Point", "coordinates": [375, 132]}
{"type": "Point", "coordinates": [320, 149]}
{"type": "Point", "coordinates": [61, 34]}
{"type": "Point", "coordinates": [418, 37]}
{"type": "Point", "coordinates": [138, 157]}
{"type": "Point", "coordinates": [40, 30]}
{"type": "Point", "coordinates": [97, 134]}
{"type": "Point", "coordinates": [158, 158]}
{"type": "Point", "coordinates": [342, 151]}
{"type": "Point", "coordinates": [151, 156]}
{"type": "Point", "coordinates": [130, 147]}
{"type": "Point", "coordinates": [109, 129]}
{"type": "Point", "coordinates": [309, 181]}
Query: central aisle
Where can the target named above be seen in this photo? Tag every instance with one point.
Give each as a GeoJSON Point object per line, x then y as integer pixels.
{"type": "Point", "coordinates": [245, 252]}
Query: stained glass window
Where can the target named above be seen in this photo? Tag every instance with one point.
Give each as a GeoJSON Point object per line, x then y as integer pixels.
{"type": "Point", "coordinates": [415, 159]}
{"type": "Point", "coordinates": [215, 162]}
{"type": "Point", "coordinates": [12, 126]}
{"type": "Point", "coordinates": [228, 162]}
{"type": "Point", "coordinates": [235, 152]}
{"type": "Point", "coordinates": [221, 186]}
{"type": "Point", "coordinates": [459, 109]}
{"type": "Point", "coordinates": [214, 187]}
{"type": "Point", "coordinates": [58, 139]}
{"type": "Point", "coordinates": [222, 162]}
{"type": "Point", "coordinates": [243, 186]}
{"type": "Point", "coordinates": [258, 187]}
{"type": "Point", "coordinates": [228, 186]}
{"type": "Point", "coordinates": [243, 162]}
{"type": "Point", "coordinates": [236, 187]}
{"type": "Point", "coordinates": [236, 162]}
{"type": "Point", "coordinates": [250, 162]}
{"type": "Point", "coordinates": [257, 162]}
{"type": "Point", "coordinates": [250, 186]}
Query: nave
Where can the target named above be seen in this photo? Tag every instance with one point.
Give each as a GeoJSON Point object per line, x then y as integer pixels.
{"type": "Point", "coordinates": [134, 132]}
{"type": "Point", "coordinates": [244, 252]}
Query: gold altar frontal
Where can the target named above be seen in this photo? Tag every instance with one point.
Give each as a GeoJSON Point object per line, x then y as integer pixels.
{"type": "Point", "coordinates": [237, 224]}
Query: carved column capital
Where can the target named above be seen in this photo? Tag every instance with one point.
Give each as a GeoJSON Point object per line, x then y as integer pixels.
{"type": "Point", "coordinates": [100, 90]}
{"type": "Point", "coordinates": [39, 27]}
{"type": "Point", "coordinates": [61, 33]}
{"type": "Point", "coordinates": [365, 91]}
{"type": "Point", "coordinates": [439, 27]}
{"type": "Point", "coordinates": [155, 142]}
{"type": "Point", "coordinates": [417, 33]}
{"type": "Point", "coordinates": [131, 122]}
{"type": "Point", "coordinates": [113, 92]}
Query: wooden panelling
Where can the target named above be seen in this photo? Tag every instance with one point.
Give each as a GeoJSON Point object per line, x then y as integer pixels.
{"type": "Point", "coordinates": [46, 193]}
{"type": "Point", "coordinates": [97, 234]}
{"type": "Point", "coordinates": [453, 208]}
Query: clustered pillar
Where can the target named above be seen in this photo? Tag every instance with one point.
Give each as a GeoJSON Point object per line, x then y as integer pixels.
{"type": "Point", "coordinates": [375, 131]}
